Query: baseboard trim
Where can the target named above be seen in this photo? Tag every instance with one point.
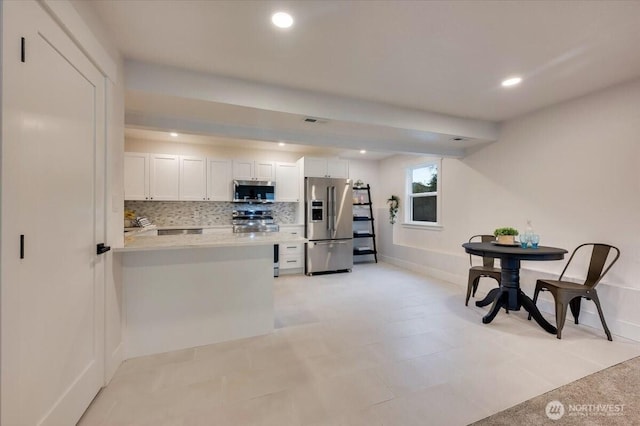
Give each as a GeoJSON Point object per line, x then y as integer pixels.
{"type": "Point", "coordinates": [422, 269]}
{"type": "Point", "coordinates": [591, 319]}
{"type": "Point", "coordinates": [112, 364]}
{"type": "Point", "coordinates": [588, 313]}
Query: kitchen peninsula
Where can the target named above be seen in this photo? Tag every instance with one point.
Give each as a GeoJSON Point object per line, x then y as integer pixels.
{"type": "Point", "coordinates": [183, 291]}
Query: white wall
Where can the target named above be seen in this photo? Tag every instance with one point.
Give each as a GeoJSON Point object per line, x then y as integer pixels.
{"type": "Point", "coordinates": [368, 172]}
{"type": "Point", "coordinates": [571, 168]}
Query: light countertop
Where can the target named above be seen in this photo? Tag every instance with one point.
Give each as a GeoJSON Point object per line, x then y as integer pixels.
{"type": "Point", "coordinates": [171, 242]}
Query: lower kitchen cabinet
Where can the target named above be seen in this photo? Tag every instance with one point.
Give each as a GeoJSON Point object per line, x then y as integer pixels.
{"type": "Point", "coordinates": [291, 255]}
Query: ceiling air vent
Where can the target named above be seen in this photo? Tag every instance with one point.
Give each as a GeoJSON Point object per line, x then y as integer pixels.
{"type": "Point", "coordinates": [314, 120]}
{"type": "Point", "coordinates": [458, 139]}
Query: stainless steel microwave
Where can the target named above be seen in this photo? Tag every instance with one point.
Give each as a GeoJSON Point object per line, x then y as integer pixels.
{"type": "Point", "coordinates": [254, 191]}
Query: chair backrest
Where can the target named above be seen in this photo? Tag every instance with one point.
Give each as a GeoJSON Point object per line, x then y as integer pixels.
{"type": "Point", "coordinates": [598, 265]}
{"type": "Point", "coordinates": [485, 238]}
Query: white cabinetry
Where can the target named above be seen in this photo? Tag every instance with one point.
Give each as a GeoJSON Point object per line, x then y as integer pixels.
{"type": "Point", "coordinates": [287, 182]}
{"type": "Point", "coordinates": [253, 170]}
{"type": "Point", "coordinates": [193, 178]}
{"type": "Point", "coordinates": [337, 168]}
{"type": "Point", "coordinates": [218, 179]}
{"type": "Point", "coordinates": [326, 167]}
{"type": "Point", "coordinates": [136, 176]}
{"type": "Point", "coordinates": [291, 255]}
{"type": "Point", "coordinates": [164, 182]}
{"type": "Point", "coordinates": [171, 178]}
{"type": "Point", "coordinates": [164, 177]}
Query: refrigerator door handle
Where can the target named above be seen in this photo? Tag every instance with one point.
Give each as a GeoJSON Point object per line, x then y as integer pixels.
{"type": "Point", "coordinates": [328, 209]}
{"type": "Point", "coordinates": [333, 210]}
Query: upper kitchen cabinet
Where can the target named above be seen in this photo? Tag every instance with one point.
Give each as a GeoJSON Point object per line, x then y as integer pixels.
{"type": "Point", "coordinates": [219, 178]}
{"type": "Point", "coordinates": [193, 178]}
{"type": "Point", "coordinates": [253, 170]}
{"type": "Point", "coordinates": [136, 176]}
{"type": "Point", "coordinates": [326, 167]}
{"type": "Point", "coordinates": [287, 182]}
{"type": "Point", "coordinates": [164, 182]}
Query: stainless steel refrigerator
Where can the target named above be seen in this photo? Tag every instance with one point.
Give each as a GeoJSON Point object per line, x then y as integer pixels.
{"type": "Point", "coordinates": [328, 225]}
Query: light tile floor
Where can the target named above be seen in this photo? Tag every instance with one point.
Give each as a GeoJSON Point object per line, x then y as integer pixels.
{"type": "Point", "coordinates": [379, 346]}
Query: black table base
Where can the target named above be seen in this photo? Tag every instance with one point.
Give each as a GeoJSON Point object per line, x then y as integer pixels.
{"type": "Point", "coordinates": [510, 297]}
{"type": "Point", "coordinates": [500, 300]}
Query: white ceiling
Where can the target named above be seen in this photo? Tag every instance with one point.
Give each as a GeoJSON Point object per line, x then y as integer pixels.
{"type": "Point", "coordinates": [437, 56]}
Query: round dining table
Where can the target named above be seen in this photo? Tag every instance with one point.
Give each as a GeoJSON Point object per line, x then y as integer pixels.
{"type": "Point", "coordinates": [509, 295]}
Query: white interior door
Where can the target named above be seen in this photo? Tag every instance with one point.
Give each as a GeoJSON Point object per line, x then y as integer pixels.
{"type": "Point", "coordinates": [52, 311]}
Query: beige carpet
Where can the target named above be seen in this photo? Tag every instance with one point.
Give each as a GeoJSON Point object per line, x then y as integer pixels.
{"type": "Point", "coordinates": [608, 397]}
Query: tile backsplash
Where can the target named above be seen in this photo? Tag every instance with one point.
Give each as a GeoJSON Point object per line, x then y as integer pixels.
{"type": "Point", "coordinates": [205, 213]}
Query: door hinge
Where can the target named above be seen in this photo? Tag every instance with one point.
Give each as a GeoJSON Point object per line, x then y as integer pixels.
{"type": "Point", "coordinates": [21, 246]}
{"type": "Point", "coordinates": [22, 49]}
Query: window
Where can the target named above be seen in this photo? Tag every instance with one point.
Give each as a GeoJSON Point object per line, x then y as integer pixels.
{"type": "Point", "coordinates": [423, 194]}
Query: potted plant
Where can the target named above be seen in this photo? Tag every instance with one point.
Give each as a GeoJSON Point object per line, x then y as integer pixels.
{"type": "Point", "coordinates": [505, 235]}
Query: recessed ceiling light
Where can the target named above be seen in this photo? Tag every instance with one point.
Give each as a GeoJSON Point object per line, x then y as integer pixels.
{"type": "Point", "coordinates": [280, 143]}
{"type": "Point", "coordinates": [363, 151]}
{"type": "Point", "coordinates": [511, 81]}
{"type": "Point", "coordinates": [173, 134]}
{"type": "Point", "coordinates": [282, 20]}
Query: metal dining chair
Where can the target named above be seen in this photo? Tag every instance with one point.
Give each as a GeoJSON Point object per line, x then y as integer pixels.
{"type": "Point", "coordinates": [486, 270]}
{"type": "Point", "coordinates": [570, 293]}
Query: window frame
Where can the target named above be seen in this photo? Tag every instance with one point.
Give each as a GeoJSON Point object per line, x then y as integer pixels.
{"type": "Point", "coordinates": [409, 196]}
